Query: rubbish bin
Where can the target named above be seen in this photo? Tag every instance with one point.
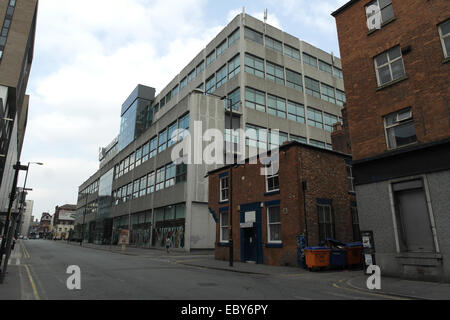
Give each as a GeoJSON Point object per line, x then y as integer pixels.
{"type": "Point", "coordinates": [317, 257]}
{"type": "Point", "coordinates": [354, 254]}
{"type": "Point", "coordinates": [338, 258]}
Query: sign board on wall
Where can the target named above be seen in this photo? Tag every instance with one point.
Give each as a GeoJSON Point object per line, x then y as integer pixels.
{"type": "Point", "coordinates": [124, 236]}
{"type": "Point", "coordinates": [250, 218]}
{"type": "Point", "coordinates": [66, 215]}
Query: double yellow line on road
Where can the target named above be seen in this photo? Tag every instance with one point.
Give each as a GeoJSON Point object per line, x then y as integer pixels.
{"type": "Point", "coordinates": [26, 255]}
{"type": "Point", "coordinates": [386, 296]}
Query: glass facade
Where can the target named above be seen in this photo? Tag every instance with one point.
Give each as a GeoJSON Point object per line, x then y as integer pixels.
{"type": "Point", "coordinates": [128, 126]}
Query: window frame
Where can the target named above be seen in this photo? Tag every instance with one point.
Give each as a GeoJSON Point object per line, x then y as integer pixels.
{"type": "Point", "coordinates": [223, 189]}
{"type": "Point", "coordinates": [223, 226]}
{"type": "Point", "coordinates": [269, 234]}
{"type": "Point", "coordinates": [387, 127]}
{"type": "Point", "coordinates": [274, 177]}
{"type": "Point", "coordinates": [389, 63]}
{"type": "Point", "coordinates": [443, 37]}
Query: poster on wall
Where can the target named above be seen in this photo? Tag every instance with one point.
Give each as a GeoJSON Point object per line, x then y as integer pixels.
{"type": "Point", "coordinates": [124, 236]}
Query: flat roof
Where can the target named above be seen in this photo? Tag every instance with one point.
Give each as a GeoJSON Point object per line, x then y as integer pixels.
{"type": "Point", "coordinates": [287, 146]}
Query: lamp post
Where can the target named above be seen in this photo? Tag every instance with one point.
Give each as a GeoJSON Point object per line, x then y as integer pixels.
{"type": "Point", "coordinates": [230, 198]}
{"type": "Point", "coordinates": [8, 234]}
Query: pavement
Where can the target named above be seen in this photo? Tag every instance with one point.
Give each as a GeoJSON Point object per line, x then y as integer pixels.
{"type": "Point", "coordinates": [38, 268]}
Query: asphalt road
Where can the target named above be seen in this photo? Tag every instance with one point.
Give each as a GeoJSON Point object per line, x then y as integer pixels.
{"type": "Point", "coordinates": [42, 264]}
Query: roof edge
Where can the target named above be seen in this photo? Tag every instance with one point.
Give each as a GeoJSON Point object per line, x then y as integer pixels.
{"type": "Point", "coordinates": [345, 6]}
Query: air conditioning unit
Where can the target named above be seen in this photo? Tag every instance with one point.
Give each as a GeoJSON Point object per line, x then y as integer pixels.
{"type": "Point", "coordinates": [405, 115]}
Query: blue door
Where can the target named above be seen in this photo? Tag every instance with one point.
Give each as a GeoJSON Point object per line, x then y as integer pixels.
{"type": "Point", "coordinates": [250, 244]}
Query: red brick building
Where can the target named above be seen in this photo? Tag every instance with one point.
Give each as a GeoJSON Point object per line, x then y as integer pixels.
{"type": "Point", "coordinates": [396, 66]}
{"type": "Point", "coordinates": [269, 212]}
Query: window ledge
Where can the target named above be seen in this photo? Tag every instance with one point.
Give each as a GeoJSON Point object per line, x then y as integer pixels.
{"type": "Point", "coordinates": [223, 244]}
{"type": "Point", "coordinates": [223, 201]}
{"type": "Point", "coordinates": [446, 60]}
{"type": "Point", "coordinates": [269, 193]}
{"type": "Point", "coordinates": [428, 259]}
{"type": "Point", "coordinates": [382, 25]}
{"type": "Point", "coordinates": [386, 85]}
{"type": "Point", "coordinates": [403, 146]}
{"type": "Point", "coordinates": [274, 245]}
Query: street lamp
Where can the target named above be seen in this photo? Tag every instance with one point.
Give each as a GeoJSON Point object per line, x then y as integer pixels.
{"type": "Point", "coordinates": [7, 234]}
{"type": "Point", "coordinates": [230, 107]}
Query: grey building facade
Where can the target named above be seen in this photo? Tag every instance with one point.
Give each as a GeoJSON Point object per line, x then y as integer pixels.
{"type": "Point", "coordinates": [272, 81]}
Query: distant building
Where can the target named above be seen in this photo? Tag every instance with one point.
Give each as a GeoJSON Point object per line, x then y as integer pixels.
{"type": "Point", "coordinates": [396, 64]}
{"type": "Point", "coordinates": [273, 81]}
{"type": "Point", "coordinates": [26, 218]}
{"type": "Point", "coordinates": [63, 221]}
{"type": "Point", "coordinates": [310, 196]}
{"type": "Point", "coordinates": [45, 225]}
{"type": "Point", "coordinates": [18, 20]}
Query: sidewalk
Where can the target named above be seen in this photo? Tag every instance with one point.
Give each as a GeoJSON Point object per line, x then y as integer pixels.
{"type": "Point", "coordinates": [404, 288]}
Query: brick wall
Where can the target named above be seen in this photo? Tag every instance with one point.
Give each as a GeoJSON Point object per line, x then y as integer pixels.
{"type": "Point", "coordinates": [426, 88]}
{"type": "Point", "coordinates": [326, 176]}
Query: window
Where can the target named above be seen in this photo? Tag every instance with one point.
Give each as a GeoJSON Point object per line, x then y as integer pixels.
{"type": "Point", "coordinates": [256, 137]}
{"type": "Point", "coordinates": [233, 37]}
{"type": "Point", "coordinates": [168, 97]}
{"type": "Point", "coordinates": [350, 179]}
{"type": "Point", "coordinates": [151, 182]}
{"type": "Point", "coordinates": [200, 68]}
{"type": "Point", "coordinates": [160, 179]}
{"type": "Point", "coordinates": [126, 164]}
{"type": "Point", "coordinates": [297, 138]}
{"type": "Point", "coordinates": [142, 186]}
{"type": "Point", "coordinates": [210, 85]}
{"type": "Point", "coordinates": [274, 44]}
{"type": "Point", "coordinates": [276, 141]}
{"type": "Point", "coordinates": [296, 112]}
{"type": "Point", "coordinates": [317, 143]}
{"type": "Point", "coordinates": [355, 223]}
{"type": "Point", "coordinates": [153, 145]}
{"type": "Point", "coordinates": [175, 91]}
{"type": "Point", "coordinates": [275, 73]}
{"type": "Point", "coordinates": [444, 33]}
{"type": "Point", "coordinates": [385, 6]}
{"type": "Point", "coordinates": [129, 191]}
{"type": "Point", "coordinates": [234, 66]}
{"type": "Point", "coordinates": [310, 60]}
{"type": "Point", "coordinates": [400, 130]}
{"type": "Point", "coordinates": [294, 80]}
{"type": "Point", "coordinates": [315, 118]}
{"type": "Point", "coordinates": [210, 58]}
{"type": "Point", "coordinates": [235, 98]}
{"type": "Point", "coordinates": [273, 224]}
{"type": "Point", "coordinates": [255, 99]}
{"type": "Point", "coordinates": [221, 48]}
{"type": "Point", "coordinates": [138, 156]}
{"type": "Point", "coordinates": [272, 183]}
{"type": "Point", "coordinates": [162, 103]}
{"type": "Point", "coordinates": [170, 175]}
{"type": "Point", "coordinates": [254, 65]}
{"type": "Point", "coordinates": [171, 130]}
{"type": "Point", "coordinates": [253, 35]}
{"type": "Point", "coordinates": [221, 76]}
{"type": "Point", "coordinates": [162, 141]}
{"type": "Point", "coordinates": [136, 188]}
{"type": "Point", "coordinates": [389, 66]}
{"type": "Point", "coordinates": [291, 52]}
{"type": "Point", "coordinates": [326, 67]}
{"type": "Point", "coordinates": [340, 97]}
{"type": "Point", "coordinates": [326, 223]}
{"type": "Point", "coordinates": [337, 73]}
{"type": "Point", "coordinates": [181, 172]}
{"type": "Point", "coordinates": [413, 217]}
{"type": "Point", "coordinates": [132, 161]}
{"type": "Point", "coordinates": [224, 227]}
{"type": "Point", "coordinates": [224, 189]}
{"type": "Point", "coordinates": [329, 121]}
{"type": "Point", "coordinates": [191, 76]}
{"type": "Point", "coordinates": [183, 123]}
{"type": "Point", "coordinates": [312, 87]}
{"type": "Point", "coordinates": [183, 83]}
{"type": "Point", "coordinates": [276, 106]}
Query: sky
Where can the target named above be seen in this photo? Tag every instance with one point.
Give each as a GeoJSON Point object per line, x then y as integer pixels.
{"type": "Point", "coordinates": [89, 56]}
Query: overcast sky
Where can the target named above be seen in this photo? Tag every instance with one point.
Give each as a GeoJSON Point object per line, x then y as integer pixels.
{"type": "Point", "coordinates": [89, 56]}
